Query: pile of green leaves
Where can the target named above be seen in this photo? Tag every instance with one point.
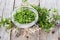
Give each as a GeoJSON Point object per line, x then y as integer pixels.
{"type": "Point", "coordinates": [24, 15]}
{"type": "Point", "coordinates": [6, 22]}
{"type": "Point", "coordinates": [43, 20]}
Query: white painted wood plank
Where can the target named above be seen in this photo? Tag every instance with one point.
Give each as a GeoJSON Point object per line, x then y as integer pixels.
{"type": "Point", "coordinates": [48, 3]}
{"type": "Point", "coordinates": [34, 33]}
{"type": "Point", "coordinates": [8, 9]}
{"type": "Point", "coordinates": [18, 3]}
{"type": "Point", "coordinates": [58, 4]}
{"type": "Point", "coordinates": [25, 34]}
{"type": "Point", "coordinates": [48, 36]}
{"type": "Point", "coordinates": [17, 35]}
{"type": "Point", "coordinates": [52, 36]}
{"type": "Point", "coordinates": [4, 34]}
{"type": "Point", "coordinates": [42, 3]}
{"type": "Point", "coordinates": [42, 35]}
{"type": "Point", "coordinates": [34, 36]}
{"type": "Point", "coordinates": [0, 9]}
{"type": "Point", "coordinates": [2, 5]}
{"type": "Point", "coordinates": [0, 1]}
{"type": "Point", "coordinates": [33, 2]}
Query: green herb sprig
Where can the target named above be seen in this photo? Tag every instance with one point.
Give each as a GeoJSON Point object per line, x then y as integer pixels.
{"type": "Point", "coordinates": [6, 22]}
{"type": "Point", "coordinates": [43, 18]}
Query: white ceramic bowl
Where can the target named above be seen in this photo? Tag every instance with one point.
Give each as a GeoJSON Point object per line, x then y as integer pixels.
{"type": "Point", "coordinates": [28, 24]}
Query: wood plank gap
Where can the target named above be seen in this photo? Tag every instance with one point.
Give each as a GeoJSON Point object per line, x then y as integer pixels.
{"type": "Point", "coordinates": [39, 3]}
{"type": "Point", "coordinates": [14, 5]}
{"type": "Point", "coordinates": [11, 17]}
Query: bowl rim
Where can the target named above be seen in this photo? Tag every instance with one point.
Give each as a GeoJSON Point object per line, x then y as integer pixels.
{"type": "Point", "coordinates": [34, 10]}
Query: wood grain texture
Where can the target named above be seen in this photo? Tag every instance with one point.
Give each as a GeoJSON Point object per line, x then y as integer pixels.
{"type": "Point", "coordinates": [18, 3]}
{"type": "Point", "coordinates": [33, 2]}
{"type": "Point", "coordinates": [17, 35]}
{"type": "Point", "coordinates": [4, 34]}
{"type": "Point", "coordinates": [25, 34]}
{"type": "Point", "coordinates": [42, 35]}
{"type": "Point", "coordinates": [52, 36]}
{"type": "Point", "coordinates": [2, 5]}
{"type": "Point", "coordinates": [57, 4]}
{"type": "Point", "coordinates": [2, 30]}
{"type": "Point", "coordinates": [48, 3]}
{"type": "Point", "coordinates": [6, 8]}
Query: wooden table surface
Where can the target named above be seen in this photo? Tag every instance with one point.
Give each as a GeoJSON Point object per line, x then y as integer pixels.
{"type": "Point", "coordinates": [6, 8]}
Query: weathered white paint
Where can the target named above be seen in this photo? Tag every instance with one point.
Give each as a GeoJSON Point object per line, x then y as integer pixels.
{"type": "Point", "coordinates": [33, 2]}
{"type": "Point", "coordinates": [4, 34]}
{"type": "Point", "coordinates": [42, 3]}
{"type": "Point", "coordinates": [18, 3]}
{"type": "Point", "coordinates": [58, 4]}
{"type": "Point", "coordinates": [8, 8]}
{"type": "Point", "coordinates": [42, 35]}
{"type": "Point", "coordinates": [48, 3]}
{"type": "Point", "coordinates": [2, 5]}
{"type": "Point", "coordinates": [51, 36]}
{"type": "Point", "coordinates": [19, 37]}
